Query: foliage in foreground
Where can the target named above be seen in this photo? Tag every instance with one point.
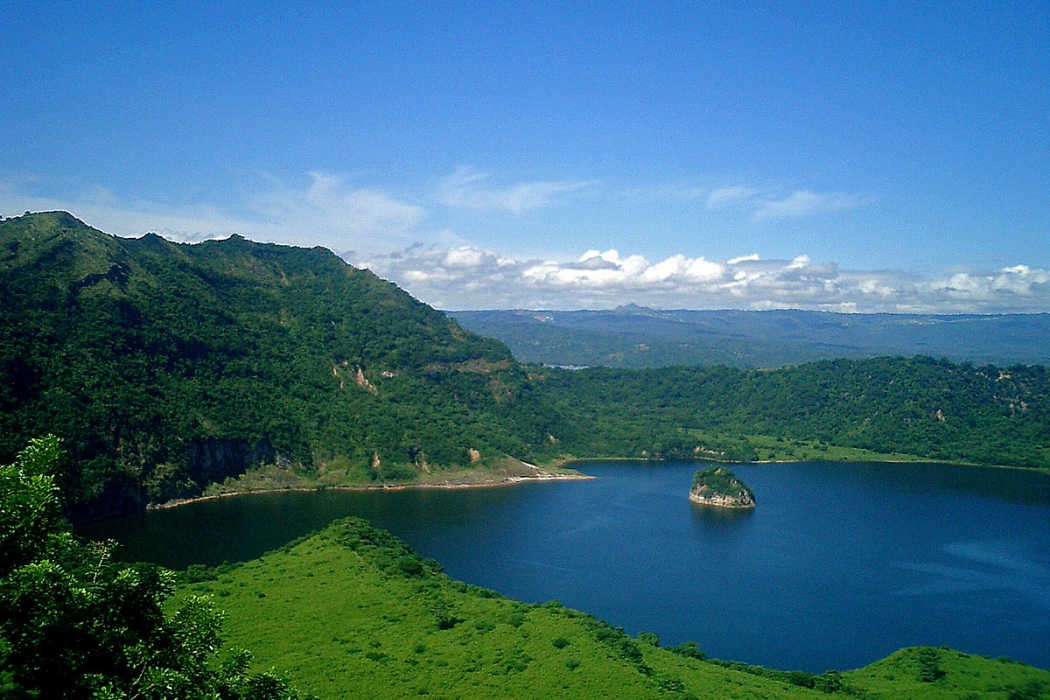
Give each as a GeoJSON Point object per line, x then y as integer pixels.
{"type": "Point", "coordinates": [353, 612]}
{"type": "Point", "coordinates": [73, 624]}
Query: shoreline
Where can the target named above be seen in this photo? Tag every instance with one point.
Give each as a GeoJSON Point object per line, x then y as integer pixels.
{"type": "Point", "coordinates": [544, 475]}
{"type": "Point", "coordinates": [900, 461]}
{"type": "Point", "coordinates": [502, 481]}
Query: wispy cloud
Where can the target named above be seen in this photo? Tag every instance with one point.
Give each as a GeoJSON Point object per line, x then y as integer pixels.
{"type": "Point", "coordinates": [333, 212]}
{"type": "Point", "coordinates": [764, 203]}
{"type": "Point", "coordinates": [474, 278]}
{"type": "Point", "coordinates": [803, 203]}
{"type": "Point", "coordinates": [470, 189]}
{"type": "Point", "coordinates": [326, 210]}
{"type": "Point", "coordinates": [729, 196]}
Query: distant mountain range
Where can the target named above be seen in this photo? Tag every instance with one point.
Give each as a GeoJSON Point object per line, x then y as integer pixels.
{"type": "Point", "coordinates": [637, 337]}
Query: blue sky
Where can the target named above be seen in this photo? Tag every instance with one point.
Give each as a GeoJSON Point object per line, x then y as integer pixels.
{"type": "Point", "coordinates": [853, 156]}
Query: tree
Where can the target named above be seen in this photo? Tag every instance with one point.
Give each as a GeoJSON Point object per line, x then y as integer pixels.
{"type": "Point", "coordinates": [30, 514]}
{"type": "Point", "coordinates": [74, 624]}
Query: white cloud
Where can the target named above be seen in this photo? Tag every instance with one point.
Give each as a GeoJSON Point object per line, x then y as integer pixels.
{"type": "Point", "coordinates": [328, 210]}
{"type": "Point", "coordinates": [1016, 283]}
{"type": "Point", "coordinates": [466, 188]}
{"type": "Point", "coordinates": [606, 279]}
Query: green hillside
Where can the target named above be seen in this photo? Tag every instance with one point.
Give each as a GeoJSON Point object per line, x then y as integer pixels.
{"type": "Point", "coordinates": [353, 612]}
{"type": "Point", "coordinates": [168, 369]}
{"type": "Point", "coordinates": [906, 408]}
{"type": "Point", "coordinates": [165, 367]}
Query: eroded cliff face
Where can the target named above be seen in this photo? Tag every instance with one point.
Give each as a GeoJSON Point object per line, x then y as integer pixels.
{"type": "Point", "coordinates": [717, 486]}
{"type": "Point", "coordinates": [741, 500]}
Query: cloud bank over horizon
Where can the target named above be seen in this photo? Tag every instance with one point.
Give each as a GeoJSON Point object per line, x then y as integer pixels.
{"type": "Point", "coordinates": [387, 233]}
{"type": "Point", "coordinates": [471, 278]}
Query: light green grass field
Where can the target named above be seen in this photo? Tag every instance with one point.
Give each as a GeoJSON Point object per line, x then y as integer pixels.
{"type": "Point", "coordinates": [352, 613]}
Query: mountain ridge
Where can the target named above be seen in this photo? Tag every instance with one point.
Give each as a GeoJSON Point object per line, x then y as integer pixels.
{"type": "Point", "coordinates": [635, 337]}
{"type": "Point", "coordinates": [169, 366]}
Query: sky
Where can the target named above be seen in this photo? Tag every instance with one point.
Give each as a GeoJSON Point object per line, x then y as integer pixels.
{"type": "Point", "coordinates": [843, 156]}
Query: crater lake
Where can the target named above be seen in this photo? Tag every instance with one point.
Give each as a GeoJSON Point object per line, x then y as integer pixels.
{"type": "Point", "coordinates": [837, 566]}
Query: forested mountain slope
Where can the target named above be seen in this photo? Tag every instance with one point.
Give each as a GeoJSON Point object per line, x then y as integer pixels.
{"type": "Point", "coordinates": [920, 406]}
{"type": "Point", "coordinates": [165, 367]}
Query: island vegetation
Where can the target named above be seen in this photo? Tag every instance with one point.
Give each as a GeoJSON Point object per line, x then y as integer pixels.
{"type": "Point", "coordinates": [165, 370]}
{"type": "Point", "coordinates": [718, 486]}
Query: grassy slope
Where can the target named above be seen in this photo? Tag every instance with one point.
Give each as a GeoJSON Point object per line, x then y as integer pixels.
{"type": "Point", "coordinates": [958, 675]}
{"type": "Point", "coordinates": [351, 612]}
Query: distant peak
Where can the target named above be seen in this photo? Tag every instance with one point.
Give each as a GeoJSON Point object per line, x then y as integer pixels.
{"type": "Point", "coordinates": [633, 308]}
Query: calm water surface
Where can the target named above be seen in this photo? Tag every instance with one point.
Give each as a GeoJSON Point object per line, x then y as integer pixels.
{"type": "Point", "coordinates": [840, 564]}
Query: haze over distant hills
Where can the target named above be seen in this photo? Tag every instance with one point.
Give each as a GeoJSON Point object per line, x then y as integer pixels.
{"type": "Point", "coordinates": [635, 337]}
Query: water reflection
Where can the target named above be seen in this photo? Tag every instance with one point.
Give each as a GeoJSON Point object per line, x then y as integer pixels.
{"type": "Point", "coordinates": [720, 518]}
{"type": "Point", "coordinates": [1013, 485]}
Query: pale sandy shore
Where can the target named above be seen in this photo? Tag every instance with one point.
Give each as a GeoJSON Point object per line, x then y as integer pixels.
{"type": "Point", "coordinates": [483, 482]}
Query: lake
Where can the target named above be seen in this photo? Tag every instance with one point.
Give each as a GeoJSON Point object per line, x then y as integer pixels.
{"type": "Point", "coordinates": [839, 564]}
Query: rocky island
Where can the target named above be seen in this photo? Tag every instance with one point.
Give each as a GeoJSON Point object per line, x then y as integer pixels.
{"type": "Point", "coordinates": [717, 486]}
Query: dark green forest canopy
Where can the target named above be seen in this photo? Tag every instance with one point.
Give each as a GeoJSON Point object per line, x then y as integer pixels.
{"type": "Point", "coordinates": [919, 406]}
{"type": "Point", "coordinates": [720, 480]}
{"type": "Point", "coordinates": [165, 367]}
{"type": "Point", "coordinates": [75, 624]}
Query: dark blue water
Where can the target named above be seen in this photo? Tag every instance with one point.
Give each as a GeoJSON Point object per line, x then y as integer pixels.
{"type": "Point", "coordinates": [839, 565]}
